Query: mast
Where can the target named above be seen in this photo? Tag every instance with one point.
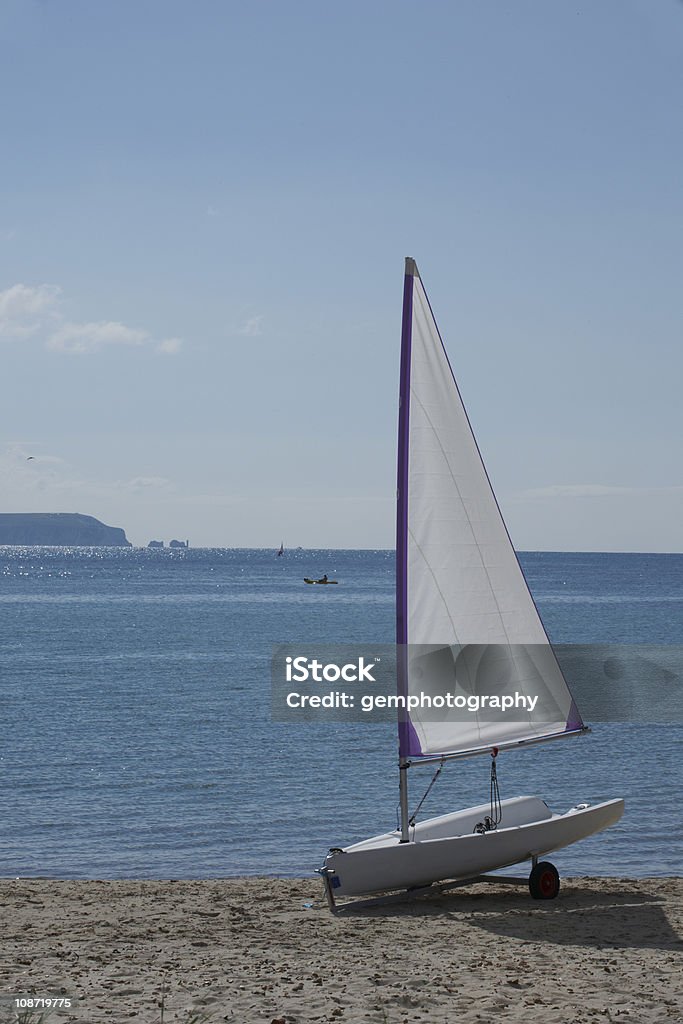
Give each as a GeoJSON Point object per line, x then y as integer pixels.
{"type": "Point", "coordinates": [402, 533]}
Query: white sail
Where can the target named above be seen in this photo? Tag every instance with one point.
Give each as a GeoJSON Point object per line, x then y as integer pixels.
{"type": "Point", "coordinates": [459, 584]}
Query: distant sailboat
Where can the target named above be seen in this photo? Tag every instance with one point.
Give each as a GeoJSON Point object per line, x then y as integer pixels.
{"type": "Point", "coordinates": [282, 550]}
{"type": "Point", "coordinates": [463, 613]}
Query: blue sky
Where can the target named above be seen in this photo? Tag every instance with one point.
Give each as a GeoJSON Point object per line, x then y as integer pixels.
{"type": "Point", "coordinates": [203, 217]}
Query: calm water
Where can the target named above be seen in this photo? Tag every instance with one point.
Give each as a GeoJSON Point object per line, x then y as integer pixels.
{"type": "Point", "coordinates": [137, 739]}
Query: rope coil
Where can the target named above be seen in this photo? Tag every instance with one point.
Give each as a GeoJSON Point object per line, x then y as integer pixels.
{"type": "Point", "coordinates": [492, 820]}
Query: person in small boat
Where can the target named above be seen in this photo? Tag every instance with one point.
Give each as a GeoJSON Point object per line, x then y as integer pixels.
{"type": "Point", "coordinates": [324, 579]}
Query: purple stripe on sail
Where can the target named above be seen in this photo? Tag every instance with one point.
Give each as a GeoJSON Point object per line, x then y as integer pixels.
{"type": "Point", "coordinates": [403, 460]}
{"type": "Point", "coordinates": [574, 720]}
{"type": "Point", "coordinates": [408, 742]}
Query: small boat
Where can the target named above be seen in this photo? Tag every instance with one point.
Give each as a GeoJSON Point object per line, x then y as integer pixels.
{"type": "Point", "coordinates": [466, 624]}
{"type": "Point", "coordinates": [282, 550]}
{"type": "Point", "coordinates": [322, 582]}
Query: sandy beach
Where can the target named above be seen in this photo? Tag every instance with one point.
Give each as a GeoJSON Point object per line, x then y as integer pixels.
{"type": "Point", "coordinates": [268, 950]}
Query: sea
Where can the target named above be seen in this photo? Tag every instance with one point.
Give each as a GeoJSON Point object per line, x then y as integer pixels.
{"type": "Point", "coordinates": [138, 740]}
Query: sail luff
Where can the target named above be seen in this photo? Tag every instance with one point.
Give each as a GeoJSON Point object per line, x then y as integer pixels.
{"type": "Point", "coordinates": [406, 741]}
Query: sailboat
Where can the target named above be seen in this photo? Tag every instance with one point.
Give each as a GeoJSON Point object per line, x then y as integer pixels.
{"type": "Point", "coordinates": [281, 549]}
{"type": "Point", "coordinates": [464, 613]}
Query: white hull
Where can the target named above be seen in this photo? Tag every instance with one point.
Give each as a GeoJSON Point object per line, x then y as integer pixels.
{"type": "Point", "coordinates": [447, 848]}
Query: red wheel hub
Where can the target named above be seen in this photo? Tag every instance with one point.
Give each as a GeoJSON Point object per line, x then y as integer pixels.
{"type": "Point", "coordinates": [547, 882]}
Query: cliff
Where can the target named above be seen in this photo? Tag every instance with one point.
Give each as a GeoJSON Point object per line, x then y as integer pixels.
{"type": "Point", "coordinates": [60, 529]}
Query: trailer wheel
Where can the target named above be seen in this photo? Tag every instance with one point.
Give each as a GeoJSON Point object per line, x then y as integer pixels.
{"type": "Point", "coordinates": [544, 881]}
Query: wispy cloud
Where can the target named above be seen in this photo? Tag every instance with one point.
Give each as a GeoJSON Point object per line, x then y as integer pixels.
{"type": "Point", "coordinates": [592, 491]}
{"type": "Point", "coordinates": [169, 346]}
{"type": "Point", "coordinates": [252, 327]}
{"type": "Point", "coordinates": [25, 309]}
{"type": "Point", "coordinates": [148, 483]}
{"type": "Point", "coordinates": [35, 311]}
{"type": "Point", "coordinates": [82, 338]}
{"type": "Point", "coordinates": [28, 481]}
{"type": "Point", "coordinates": [23, 475]}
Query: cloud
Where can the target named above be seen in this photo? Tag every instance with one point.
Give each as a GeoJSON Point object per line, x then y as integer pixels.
{"type": "Point", "coordinates": [22, 477]}
{"type": "Point", "coordinates": [21, 300]}
{"type": "Point", "coordinates": [148, 483]}
{"type": "Point", "coordinates": [27, 311]}
{"type": "Point", "coordinates": [169, 346]}
{"type": "Point", "coordinates": [593, 491]}
{"type": "Point", "coordinates": [47, 478]}
{"type": "Point", "coordinates": [91, 337]}
{"type": "Point", "coordinates": [24, 309]}
{"type": "Point", "coordinates": [252, 327]}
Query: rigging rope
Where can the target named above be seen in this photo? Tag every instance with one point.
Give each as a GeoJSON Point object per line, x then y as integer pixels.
{"type": "Point", "coordinates": [411, 820]}
{"type": "Point", "coordinates": [496, 809]}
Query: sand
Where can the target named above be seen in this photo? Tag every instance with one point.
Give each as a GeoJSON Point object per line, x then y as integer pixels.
{"type": "Point", "coordinates": [266, 950]}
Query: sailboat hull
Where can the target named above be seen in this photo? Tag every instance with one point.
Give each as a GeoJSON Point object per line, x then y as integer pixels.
{"type": "Point", "coordinates": [447, 848]}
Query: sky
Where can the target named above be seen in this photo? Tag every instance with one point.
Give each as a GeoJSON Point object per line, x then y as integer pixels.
{"type": "Point", "coordinates": [204, 212]}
